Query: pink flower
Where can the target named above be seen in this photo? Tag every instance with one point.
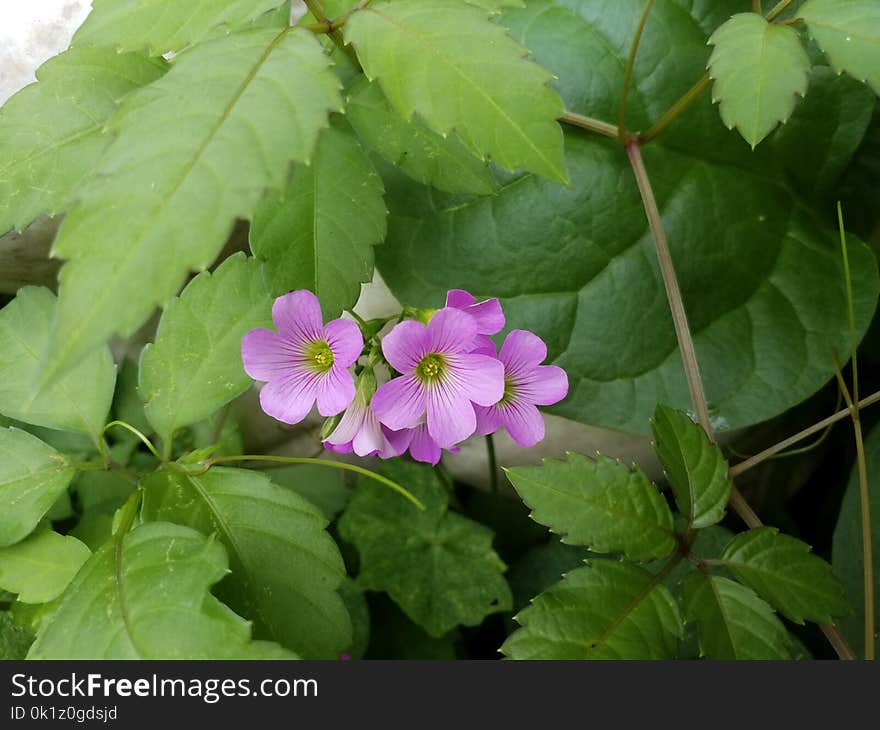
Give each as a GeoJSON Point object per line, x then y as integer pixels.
{"type": "Point", "coordinates": [488, 315]}
{"type": "Point", "coordinates": [527, 384]}
{"type": "Point", "coordinates": [359, 430]}
{"type": "Point", "coordinates": [419, 442]}
{"type": "Point", "coordinates": [441, 379]}
{"type": "Point", "coordinates": [304, 361]}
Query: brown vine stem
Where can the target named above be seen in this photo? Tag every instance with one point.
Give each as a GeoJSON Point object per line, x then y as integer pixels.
{"type": "Point", "coordinates": [630, 64]}
{"type": "Point", "coordinates": [688, 353]}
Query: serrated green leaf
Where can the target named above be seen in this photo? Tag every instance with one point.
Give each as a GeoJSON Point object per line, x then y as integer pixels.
{"type": "Point", "coordinates": [760, 273]}
{"type": "Point", "coordinates": [14, 639]}
{"type": "Point", "coordinates": [159, 26]}
{"type": "Point", "coordinates": [320, 232]}
{"type": "Point", "coordinates": [427, 157]}
{"type": "Point", "coordinates": [153, 603]}
{"type": "Point", "coordinates": [41, 566]}
{"type": "Point", "coordinates": [848, 551]}
{"type": "Point", "coordinates": [445, 61]}
{"type": "Point", "coordinates": [78, 401]}
{"type": "Point", "coordinates": [849, 33]}
{"type": "Point", "coordinates": [194, 366]}
{"type": "Point", "coordinates": [438, 566]}
{"type": "Point", "coordinates": [759, 69]}
{"type": "Point", "coordinates": [783, 571]}
{"type": "Point", "coordinates": [733, 622]}
{"type": "Point", "coordinates": [195, 150]}
{"type": "Point", "coordinates": [695, 467]}
{"type": "Point", "coordinates": [600, 504]}
{"type": "Point", "coordinates": [606, 610]}
{"type": "Point", "coordinates": [285, 566]}
{"type": "Point", "coordinates": [32, 476]}
{"type": "Point", "coordinates": [51, 132]}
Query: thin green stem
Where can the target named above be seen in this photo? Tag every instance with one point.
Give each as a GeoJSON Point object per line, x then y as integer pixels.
{"type": "Point", "coordinates": [590, 124]}
{"type": "Point", "coordinates": [778, 10]}
{"type": "Point", "coordinates": [132, 429]}
{"type": "Point", "coordinates": [756, 7]}
{"type": "Point", "coordinates": [851, 312]}
{"type": "Point", "coordinates": [316, 8]}
{"type": "Point", "coordinates": [493, 463]}
{"type": "Point", "coordinates": [344, 466]}
{"type": "Point", "coordinates": [627, 76]}
{"type": "Point", "coordinates": [677, 109]}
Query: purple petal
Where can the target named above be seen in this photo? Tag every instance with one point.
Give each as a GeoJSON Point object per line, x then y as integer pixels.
{"type": "Point", "coordinates": [521, 352]}
{"type": "Point", "coordinates": [346, 448]}
{"type": "Point", "coordinates": [398, 441]}
{"type": "Point", "coordinates": [459, 299]}
{"type": "Point", "coordinates": [451, 331]}
{"type": "Point", "coordinates": [348, 425]}
{"type": "Point", "coordinates": [265, 355]}
{"type": "Point", "coordinates": [523, 422]}
{"type": "Point", "coordinates": [479, 378]}
{"type": "Point", "coordinates": [488, 419]}
{"type": "Point", "coordinates": [370, 439]}
{"type": "Point", "coordinates": [346, 341]}
{"type": "Point", "coordinates": [297, 316]}
{"type": "Point", "coordinates": [451, 417]}
{"type": "Point", "coordinates": [489, 316]}
{"type": "Point", "coordinates": [405, 345]}
{"type": "Point", "coordinates": [400, 403]}
{"type": "Point", "coordinates": [483, 345]}
{"type": "Point", "coordinates": [543, 386]}
{"type": "Point", "coordinates": [335, 391]}
{"type": "Point", "coordinates": [423, 448]}
{"type": "Point", "coordinates": [291, 398]}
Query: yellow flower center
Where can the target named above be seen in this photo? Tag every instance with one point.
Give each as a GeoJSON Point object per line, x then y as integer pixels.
{"type": "Point", "coordinates": [431, 368]}
{"type": "Point", "coordinates": [320, 356]}
{"type": "Point", "coordinates": [509, 391]}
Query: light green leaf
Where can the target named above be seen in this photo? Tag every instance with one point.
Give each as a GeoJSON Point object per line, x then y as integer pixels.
{"type": "Point", "coordinates": [78, 401]}
{"type": "Point", "coordinates": [606, 610]}
{"type": "Point", "coordinates": [438, 566]}
{"type": "Point", "coordinates": [848, 551]}
{"type": "Point", "coordinates": [41, 566]}
{"type": "Point", "coordinates": [445, 61]}
{"type": "Point", "coordinates": [761, 274]}
{"type": "Point", "coordinates": [51, 132]}
{"type": "Point", "coordinates": [320, 232]}
{"type": "Point", "coordinates": [444, 162]}
{"type": "Point", "coordinates": [285, 566]}
{"type": "Point", "coordinates": [733, 622]}
{"type": "Point", "coordinates": [759, 69]}
{"type": "Point", "coordinates": [32, 476]}
{"type": "Point", "coordinates": [195, 150]}
{"type": "Point", "coordinates": [159, 26]}
{"type": "Point", "coordinates": [695, 467]}
{"type": "Point", "coordinates": [600, 504]}
{"type": "Point", "coordinates": [153, 603]}
{"type": "Point", "coordinates": [194, 367]}
{"type": "Point", "coordinates": [783, 571]}
{"type": "Point", "coordinates": [14, 639]}
{"type": "Point", "coordinates": [849, 33]}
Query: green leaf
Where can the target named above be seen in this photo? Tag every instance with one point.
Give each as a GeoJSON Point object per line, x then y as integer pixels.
{"type": "Point", "coordinates": [695, 467]}
{"type": "Point", "coordinates": [41, 566]}
{"type": "Point", "coordinates": [759, 69]}
{"type": "Point", "coordinates": [847, 550]}
{"type": "Point", "coordinates": [194, 367]}
{"type": "Point", "coordinates": [78, 401]}
{"type": "Point", "coordinates": [51, 132]}
{"type": "Point", "coordinates": [32, 476]}
{"type": "Point", "coordinates": [438, 566]}
{"type": "Point", "coordinates": [195, 150]}
{"type": "Point", "coordinates": [154, 602]}
{"type": "Point", "coordinates": [285, 566]}
{"type": "Point", "coordinates": [600, 504]}
{"type": "Point", "coordinates": [446, 62]}
{"type": "Point", "coordinates": [783, 571]}
{"type": "Point", "coordinates": [606, 610]}
{"type": "Point", "coordinates": [325, 488]}
{"type": "Point", "coordinates": [733, 622]}
{"type": "Point", "coordinates": [159, 26]}
{"type": "Point", "coordinates": [14, 640]}
{"type": "Point", "coordinates": [849, 33]}
{"type": "Point", "coordinates": [320, 232]}
{"type": "Point", "coordinates": [760, 271]}
{"type": "Point", "coordinates": [427, 157]}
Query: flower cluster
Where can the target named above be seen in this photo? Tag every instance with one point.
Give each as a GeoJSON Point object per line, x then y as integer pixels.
{"type": "Point", "coordinates": [447, 382]}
